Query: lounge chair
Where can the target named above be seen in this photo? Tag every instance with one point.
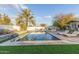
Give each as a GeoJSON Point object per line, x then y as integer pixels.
{"type": "Point", "coordinates": [75, 33]}
{"type": "Point", "coordinates": [64, 32]}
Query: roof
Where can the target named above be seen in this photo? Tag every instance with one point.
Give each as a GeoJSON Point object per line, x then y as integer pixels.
{"type": "Point", "coordinates": [76, 20]}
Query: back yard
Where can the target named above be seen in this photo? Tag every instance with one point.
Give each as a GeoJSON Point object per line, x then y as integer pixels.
{"type": "Point", "coordinates": [40, 49]}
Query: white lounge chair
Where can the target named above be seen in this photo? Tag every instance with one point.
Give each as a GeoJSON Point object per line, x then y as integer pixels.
{"type": "Point", "coordinates": [64, 32]}
{"type": "Point", "coordinates": [75, 33]}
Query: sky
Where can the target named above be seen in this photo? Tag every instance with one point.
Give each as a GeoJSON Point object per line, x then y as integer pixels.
{"type": "Point", "coordinates": [43, 13]}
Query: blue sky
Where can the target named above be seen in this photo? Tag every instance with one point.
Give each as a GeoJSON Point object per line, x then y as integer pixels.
{"type": "Point", "coordinates": [43, 13]}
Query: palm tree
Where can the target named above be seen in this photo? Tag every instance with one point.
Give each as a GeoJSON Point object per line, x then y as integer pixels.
{"type": "Point", "coordinates": [26, 18]}
{"type": "Point", "coordinates": [21, 23]}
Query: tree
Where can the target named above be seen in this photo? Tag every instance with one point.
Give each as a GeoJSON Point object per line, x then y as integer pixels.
{"type": "Point", "coordinates": [5, 20]}
{"type": "Point", "coordinates": [32, 20]}
{"type": "Point", "coordinates": [43, 25]}
{"type": "Point", "coordinates": [20, 23]}
{"type": "Point", "coordinates": [25, 19]}
{"type": "Point", "coordinates": [1, 22]}
{"type": "Point", "coordinates": [61, 21]}
{"type": "Point", "coordinates": [28, 17]}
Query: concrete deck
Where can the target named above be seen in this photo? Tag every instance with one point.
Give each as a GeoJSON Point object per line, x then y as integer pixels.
{"type": "Point", "coordinates": [74, 40]}
{"type": "Point", "coordinates": [63, 40]}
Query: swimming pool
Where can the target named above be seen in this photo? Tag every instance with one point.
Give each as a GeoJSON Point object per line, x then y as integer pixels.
{"type": "Point", "coordinates": [40, 37]}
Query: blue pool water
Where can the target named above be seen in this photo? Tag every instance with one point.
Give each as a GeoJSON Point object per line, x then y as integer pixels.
{"type": "Point", "coordinates": [41, 37]}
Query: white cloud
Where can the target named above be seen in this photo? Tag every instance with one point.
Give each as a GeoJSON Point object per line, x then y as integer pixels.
{"type": "Point", "coordinates": [15, 6]}
{"type": "Point", "coordinates": [76, 15]}
{"type": "Point", "coordinates": [23, 6]}
{"type": "Point", "coordinates": [47, 17]}
{"type": "Point", "coordinates": [19, 7]}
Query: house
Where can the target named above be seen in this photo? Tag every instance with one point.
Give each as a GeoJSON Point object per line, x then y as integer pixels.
{"type": "Point", "coordinates": [36, 28]}
{"type": "Point", "coordinates": [74, 25]}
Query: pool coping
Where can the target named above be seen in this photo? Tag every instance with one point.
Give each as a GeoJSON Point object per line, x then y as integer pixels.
{"type": "Point", "coordinates": [63, 41]}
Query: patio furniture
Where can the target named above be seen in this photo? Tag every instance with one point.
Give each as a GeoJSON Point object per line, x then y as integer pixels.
{"type": "Point", "coordinates": [64, 32]}
{"type": "Point", "coordinates": [75, 33]}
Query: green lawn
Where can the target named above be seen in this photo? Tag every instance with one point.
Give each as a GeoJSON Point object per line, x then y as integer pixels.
{"type": "Point", "coordinates": [44, 49]}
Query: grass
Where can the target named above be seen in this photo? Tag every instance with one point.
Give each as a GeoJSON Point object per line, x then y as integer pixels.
{"type": "Point", "coordinates": [40, 49]}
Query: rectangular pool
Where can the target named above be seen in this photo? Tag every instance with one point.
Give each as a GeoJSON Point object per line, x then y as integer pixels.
{"type": "Point", "coordinates": [40, 37]}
